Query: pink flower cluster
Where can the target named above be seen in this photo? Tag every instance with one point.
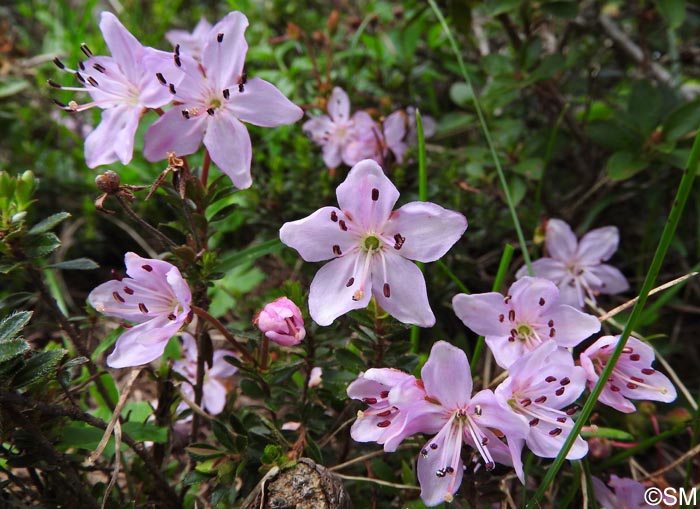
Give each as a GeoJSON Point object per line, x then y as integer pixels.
{"type": "Point", "coordinates": [350, 139]}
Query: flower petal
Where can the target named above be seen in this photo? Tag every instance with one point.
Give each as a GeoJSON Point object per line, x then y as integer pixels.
{"type": "Point", "coordinates": [225, 49]}
{"type": "Point", "coordinates": [572, 326]}
{"type": "Point", "coordinates": [125, 48]}
{"type": "Point", "coordinates": [339, 105]}
{"type": "Point", "coordinates": [598, 245]}
{"type": "Point", "coordinates": [174, 133]}
{"type": "Point", "coordinates": [143, 343]}
{"type": "Point", "coordinates": [318, 237]}
{"type": "Point", "coordinates": [318, 128]}
{"type": "Point", "coordinates": [434, 489]}
{"type": "Point", "coordinates": [213, 396]}
{"type": "Point", "coordinates": [405, 285]}
{"type": "Point", "coordinates": [228, 143]}
{"type": "Point", "coordinates": [261, 103]}
{"type": "Point", "coordinates": [561, 241]}
{"type": "Point", "coordinates": [612, 280]}
{"type": "Point", "coordinates": [446, 375]}
{"type": "Point", "coordinates": [356, 195]}
{"type": "Point", "coordinates": [533, 297]}
{"type": "Point", "coordinates": [329, 294]}
{"type": "Point", "coordinates": [113, 139]}
{"type": "Point", "coordinates": [481, 313]}
{"type": "Point", "coordinates": [426, 230]}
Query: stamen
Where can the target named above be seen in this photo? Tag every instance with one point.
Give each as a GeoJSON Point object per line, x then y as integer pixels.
{"type": "Point", "coordinates": [561, 419]}
{"type": "Point", "coordinates": [369, 401]}
{"type": "Point", "coordinates": [424, 453]}
{"type": "Point", "coordinates": [398, 241]}
{"type": "Point", "coordinates": [541, 399]}
{"type": "Point", "coordinates": [571, 411]}
{"type": "Point", "coordinates": [511, 316]}
{"type": "Point", "coordinates": [632, 386]}
{"type": "Point", "coordinates": [143, 308]}
{"type": "Point", "coordinates": [80, 77]}
{"type": "Point", "coordinates": [81, 64]}
{"type": "Point", "coordinates": [177, 49]}
{"type": "Point", "coordinates": [219, 37]}
{"type": "Point", "coordinates": [118, 297]}
{"type": "Point", "coordinates": [334, 216]}
{"type": "Point", "coordinates": [99, 68]}
{"type": "Point", "coordinates": [648, 371]}
{"type": "Point", "coordinates": [342, 225]}
{"type": "Point", "coordinates": [384, 394]}
{"type": "Point", "coordinates": [501, 318]}
{"type": "Point", "coordinates": [542, 301]}
{"type": "Point", "coordinates": [161, 78]}
{"type": "Point", "coordinates": [147, 268]}
{"type": "Point", "coordinates": [93, 81]}
{"type": "Point", "coordinates": [614, 388]}
{"type": "Point", "coordinates": [53, 84]}
{"type": "Point", "coordinates": [57, 62]}
{"type": "Point", "coordinates": [550, 379]}
{"type": "Point", "coordinates": [555, 432]}
{"type": "Point", "coordinates": [350, 282]}
{"type": "Point", "coordinates": [477, 409]}
{"type": "Point", "coordinates": [241, 88]}
{"type": "Point", "coordinates": [534, 422]}
{"type": "Point", "coordinates": [336, 250]}
{"type": "Point", "coordinates": [128, 290]}
{"type": "Point", "coordinates": [171, 87]}
{"type": "Point", "coordinates": [552, 333]}
{"type": "Point", "coordinates": [171, 316]}
{"type": "Point", "coordinates": [383, 424]}
{"type": "Point", "coordinates": [635, 357]}
{"type": "Point", "coordinates": [176, 56]}
{"type": "Point", "coordinates": [433, 446]}
{"type": "Point", "coordinates": [526, 402]}
{"type": "Point", "coordinates": [84, 48]}
{"type": "Point", "coordinates": [226, 93]}
{"type": "Point", "coordinates": [375, 194]}
{"type": "Point", "coordinates": [185, 114]}
{"type": "Point", "coordinates": [387, 290]}
{"type": "Point", "coordinates": [560, 391]}
{"type": "Point", "coordinates": [507, 299]}
{"type": "Point", "coordinates": [210, 111]}
{"type": "Point", "coordinates": [565, 381]}
{"type": "Point", "coordinates": [384, 414]}
{"type": "Point", "coordinates": [550, 323]}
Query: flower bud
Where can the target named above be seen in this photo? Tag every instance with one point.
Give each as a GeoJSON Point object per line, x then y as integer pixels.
{"type": "Point", "coordinates": [281, 321]}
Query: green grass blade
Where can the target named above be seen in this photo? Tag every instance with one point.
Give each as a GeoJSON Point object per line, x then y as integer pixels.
{"type": "Point", "coordinates": [422, 196]}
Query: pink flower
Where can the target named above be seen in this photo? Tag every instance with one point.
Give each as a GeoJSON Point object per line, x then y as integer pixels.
{"type": "Point", "coordinates": [191, 43]}
{"type": "Point", "coordinates": [458, 417]}
{"type": "Point", "coordinates": [215, 99]}
{"type": "Point", "coordinates": [335, 131]}
{"type": "Point", "coordinates": [528, 316]}
{"type": "Point", "coordinates": [215, 378]}
{"type": "Point", "coordinates": [123, 85]}
{"type": "Point", "coordinates": [155, 297]}
{"type": "Point", "coordinates": [371, 248]}
{"type": "Point", "coordinates": [281, 321]}
{"type": "Point", "coordinates": [539, 385]}
{"type": "Point", "coordinates": [629, 494]}
{"type": "Point", "coordinates": [390, 394]}
{"type": "Point", "coordinates": [577, 268]}
{"type": "Point", "coordinates": [632, 378]}
{"type": "Point", "coordinates": [372, 141]}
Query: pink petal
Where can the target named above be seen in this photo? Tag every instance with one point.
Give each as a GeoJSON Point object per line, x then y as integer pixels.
{"type": "Point", "coordinates": [113, 139]}
{"type": "Point", "coordinates": [436, 490]}
{"type": "Point", "coordinates": [506, 352]}
{"type": "Point", "coordinates": [428, 230]}
{"type": "Point", "coordinates": [561, 241]}
{"type": "Point", "coordinates": [213, 396]}
{"type": "Point", "coordinates": [228, 143]}
{"type": "Point", "coordinates": [261, 103]}
{"type": "Point", "coordinates": [532, 297]}
{"type": "Point", "coordinates": [547, 268]}
{"type": "Point", "coordinates": [603, 494]}
{"type": "Point", "coordinates": [394, 132]}
{"type": "Point", "coordinates": [316, 237]}
{"type": "Point", "coordinates": [481, 313]}
{"type": "Point", "coordinates": [220, 367]}
{"type": "Point", "coordinates": [572, 326]}
{"type": "Point", "coordinates": [318, 128]}
{"type": "Point", "coordinates": [148, 270]}
{"type": "Point", "coordinates": [107, 299]}
{"type": "Point", "coordinates": [612, 280]}
{"type": "Point", "coordinates": [598, 245]}
{"type": "Point", "coordinates": [125, 48]}
{"type": "Point", "coordinates": [174, 133]}
{"type": "Point", "coordinates": [544, 445]}
{"type": "Point", "coordinates": [143, 343]}
{"type": "Point", "coordinates": [332, 154]}
{"type": "Point", "coordinates": [408, 297]}
{"type": "Point", "coordinates": [339, 105]}
{"type": "Point", "coordinates": [224, 60]}
{"type": "Point", "coordinates": [153, 93]}
{"type": "Point", "coordinates": [446, 375]}
{"type": "Point", "coordinates": [356, 194]}
{"type": "Point", "coordinates": [329, 295]}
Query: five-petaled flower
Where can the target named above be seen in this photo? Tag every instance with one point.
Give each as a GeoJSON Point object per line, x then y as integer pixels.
{"type": "Point", "coordinates": [371, 248]}
{"type": "Point", "coordinates": [577, 268]}
{"type": "Point", "coordinates": [539, 385]}
{"type": "Point", "coordinates": [628, 494]}
{"type": "Point", "coordinates": [123, 85]}
{"type": "Point", "coordinates": [191, 43]}
{"type": "Point", "coordinates": [156, 297]}
{"type": "Point", "coordinates": [530, 314]}
{"type": "Point", "coordinates": [216, 377]}
{"type": "Point", "coordinates": [632, 378]}
{"type": "Point", "coordinates": [214, 98]}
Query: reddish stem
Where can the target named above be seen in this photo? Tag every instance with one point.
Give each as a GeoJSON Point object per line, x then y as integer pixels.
{"type": "Point", "coordinates": [203, 313]}
{"type": "Point", "coordinates": [205, 168]}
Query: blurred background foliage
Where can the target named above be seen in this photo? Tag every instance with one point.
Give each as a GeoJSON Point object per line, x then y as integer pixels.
{"type": "Point", "coordinates": [592, 105]}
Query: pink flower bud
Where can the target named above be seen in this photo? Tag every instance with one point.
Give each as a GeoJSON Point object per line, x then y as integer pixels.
{"type": "Point", "coordinates": [281, 321]}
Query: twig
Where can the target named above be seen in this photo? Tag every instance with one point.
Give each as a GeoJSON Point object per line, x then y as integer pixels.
{"type": "Point", "coordinates": [377, 481]}
{"type": "Point", "coordinates": [364, 457]}
{"type": "Point", "coordinates": [144, 224]}
{"type": "Point", "coordinates": [225, 332]}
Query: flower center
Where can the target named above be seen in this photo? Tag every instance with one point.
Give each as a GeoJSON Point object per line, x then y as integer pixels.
{"type": "Point", "coordinates": [524, 332]}
{"type": "Point", "coordinates": [215, 103]}
{"type": "Point", "coordinates": [371, 243]}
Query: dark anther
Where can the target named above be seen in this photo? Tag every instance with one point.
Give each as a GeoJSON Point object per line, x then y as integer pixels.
{"type": "Point", "coordinates": [81, 65]}
{"type": "Point", "coordinates": [80, 77]}
{"type": "Point", "coordinates": [534, 422]}
{"type": "Point", "coordinates": [244, 78]}
{"type": "Point", "coordinates": [99, 68]}
{"type": "Point", "coordinates": [53, 84]}
{"type": "Point", "coordinates": [171, 87]}
{"type": "Point", "coordinates": [541, 399]}
{"type": "Point", "coordinates": [637, 379]}
{"type": "Point", "coordinates": [513, 332]}
{"type": "Point", "coordinates": [369, 401]}
{"type": "Point", "coordinates": [648, 371]}
{"type": "Point", "coordinates": [161, 78]}
{"type": "Point", "coordinates": [477, 409]}
{"type": "Point", "coordinates": [555, 432]}
{"type": "Point", "coordinates": [241, 88]}
{"type": "Point", "coordinates": [387, 290]}
{"type": "Point", "coordinates": [84, 48]}
{"type": "Point", "coordinates": [143, 308]}
{"type": "Point", "coordinates": [561, 419]}
{"type": "Point", "coordinates": [511, 315]}
{"type": "Point", "coordinates": [336, 250]}
{"type": "Point", "coordinates": [93, 81]}
{"type": "Point", "coordinates": [171, 316]}
{"type": "Point", "coordinates": [334, 216]}
{"type": "Point", "coordinates": [440, 473]}
{"type": "Point", "coordinates": [485, 441]}
{"type": "Point", "coordinates": [424, 453]}
{"type": "Point", "coordinates": [226, 93]}
{"type": "Point", "coordinates": [57, 62]}
{"type": "Point", "coordinates": [342, 225]}
{"type": "Point", "coordinates": [635, 357]}
{"type": "Point", "coordinates": [449, 470]}
{"type": "Point", "coordinates": [350, 282]}
{"type": "Point", "coordinates": [128, 290]}
{"type": "Point", "coordinates": [526, 402]}
{"type": "Point", "coordinates": [560, 391]}
{"type": "Point", "coordinates": [490, 465]}
{"type": "Point", "coordinates": [384, 414]}
{"type": "Point", "coordinates": [511, 339]}
{"type": "Point", "coordinates": [550, 323]}
{"type": "Point", "coordinates": [565, 381]}
{"type": "Point", "coordinates": [219, 37]}
{"type": "Point", "coordinates": [550, 379]}
{"type": "Point", "coordinates": [627, 349]}
{"type": "Point", "coordinates": [507, 299]}
{"type": "Point", "coordinates": [614, 388]}
{"type": "Point", "coordinates": [384, 394]}
{"type": "Point", "coordinates": [185, 114]}
{"type": "Point", "coordinates": [433, 446]}
{"type": "Point", "coordinates": [210, 111]}
{"type": "Point", "coordinates": [501, 318]}
{"type": "Point", "coordinates": [398, 241]}
{"type": "Point", "coordinates": [541, 301]}
{"type": "Point", "coordinates": [147, 268]}
{"type": "Point", "coordinates": [572, 410]}
{"type": "Point", "coordinates": [375, 194]}
{"type": "Point", "coordinates": [117, 297]}
{"type": "Point", "coordinates": [176, 56]}
{"type": "Point", "coordinates": [552, 332]}
{"type": "Point", "coordinates": [383, 424]}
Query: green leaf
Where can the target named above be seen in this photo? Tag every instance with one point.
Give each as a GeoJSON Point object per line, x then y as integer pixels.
{"type": "Point", "coordinates": [562, 9]}
{"type": "Point", "coordinates": [223, 435]}
{"type": "Point", "coordinates": [517, 188]}
{"type": "Point", "coordinates": [673, 12]}
{"type": "Point", "coordinates": [249, 254]}
{"type": "Point", "coordinates": [461, 94]}
{"type": "Point", "coordinates": [41, 366]}
{"type": "Point", "coordinates": [202, 452]}
{"type": "Point", "coordinates": [13, 348]}
{"type": "Point", "coordinates": [11, 325]}
{"type": "Point", "coordinates": [623, 165]}
{"type": "Point", "coordinates": [77, 264]}
{"type": "Point", "coordinates": [681, 121]}
{"type": "Point", "coordinates": [496, 7]}
{"type": "Point", "coordinates": [41, 245]}
{"type": "Point", "coordinates": [12, 87]}
{"type": "Point", "coordinates": [612, 433]}
{"type": "Point", "coordinates": [145, 432]}
{"type": "Point", "coordinates": [645, 106]}
{"type": "Point", "coordinates": [49, 223]}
